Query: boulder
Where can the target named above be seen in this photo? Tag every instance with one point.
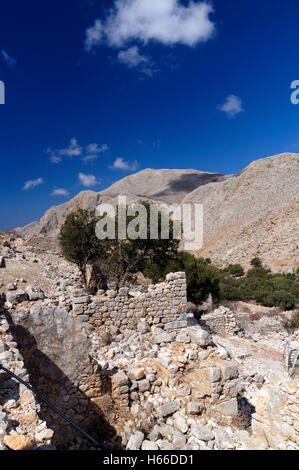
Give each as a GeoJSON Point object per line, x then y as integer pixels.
{"type": "Point", "coordinates": [165, 445]}
{"type": "Point", "coordinates": [136, 374]}
{"type": "Point", "coordinates": [178, 440]}
{"type": "Point", "coordinates": [35, 293]}
{"type": "Point", "coordinates": [169, 408]}
{"type": "Point", "coordinates": [223, 440]}
{"type": "Point", "coordinates": [105, 339]}
{"type": "Point", "coordinates": [194, 408]}
{"type": "Point", "coordinates": [2, 262]}
{"type": "Point", "coordinates": [144, 385]}
{"type": "Point", "coordinates": [120, 379]}
{"type": "Point", "coordinates": [149, 445]}
{"type": "Point", "coordinates": [199, 336]}
{"type": "Point", "coordinates": [16, 297]}
{"type": "Point", "coordinates": [230, 372]}
{"type": "Point", "coordinates": [163, 337]}
{"type": "Point", "coordinates": [181, 424]}
{"type": "Point", "coordinates": [17, 442]}
{"type": "Point", "coordinates": [228, 408]}
{"type": "Point", "coordinates": [201, 432]}
{"type": "Point", "coordinates": [135, 441]}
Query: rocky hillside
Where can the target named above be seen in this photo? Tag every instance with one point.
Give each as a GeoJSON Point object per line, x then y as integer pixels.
{"type": "Point", "coordinates": [252, 213]}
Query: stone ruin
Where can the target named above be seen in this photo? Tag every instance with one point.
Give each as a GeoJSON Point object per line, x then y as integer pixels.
{"type": "Point", "coordinates": [135, 372]}
{"type": "Point", "coordinates": [162, 305]}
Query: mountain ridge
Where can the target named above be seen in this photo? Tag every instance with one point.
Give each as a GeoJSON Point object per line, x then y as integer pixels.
{"type": "Point", "coordinates": [251, 213]}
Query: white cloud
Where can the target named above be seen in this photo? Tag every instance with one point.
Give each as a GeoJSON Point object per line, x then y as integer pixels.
{"type": "Point", "coordinates": [60, 192]}
{"type": "Point", "coordinates": [73, 150]}
{"type": "Point", "coordinates": [93, 151]}
{"type": "Point", "coordinates": [232, 106]}
{"type": "Point", "coordinates": [32, 184]}
{"type": "Point", "coordinates": [54, 158]}
{"type": "Point", "coordinates": [88, 180]}
{"type": "Point", "coordinates": [121, 164]}
{"type": "Point", "coordinates": [9, 60]}
{"type": "Point", "coordinates": [93, 35]}
{"type": "Point", "coordinates": [131, 57]}
{"type": "Point", "coordinates": [167, 22]}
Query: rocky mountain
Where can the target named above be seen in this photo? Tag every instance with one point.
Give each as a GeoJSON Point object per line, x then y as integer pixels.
{"type": "Point", "coordinates": [252, 213]}
{"type": "Point", "coordinates": [169, 186]}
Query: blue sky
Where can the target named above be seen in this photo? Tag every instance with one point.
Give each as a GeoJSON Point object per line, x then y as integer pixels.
{"type": "Point", "coordinates": [96, 90]}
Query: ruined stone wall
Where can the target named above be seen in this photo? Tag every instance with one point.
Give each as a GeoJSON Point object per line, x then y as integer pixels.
{"type": "Point", "coordinates": [162, 305]}
{"type": "Point", "coordinates": [55, 349]}
{"type": "Point", "coordinates": [21, 426]}
{"type": "Point", "coordinates": [275, 421]}
{"type": "Point", "coordinates": [221, 321]}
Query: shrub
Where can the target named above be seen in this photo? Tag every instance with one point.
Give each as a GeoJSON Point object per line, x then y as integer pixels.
{"type": "Point", "coordinates": [202, 278]}
{"type": "Point", "coordinates": [256, 262]}
{"type": "Point", "coordinates": [235, 270]}
{"type": "Point", "coordinates": [261, 286]}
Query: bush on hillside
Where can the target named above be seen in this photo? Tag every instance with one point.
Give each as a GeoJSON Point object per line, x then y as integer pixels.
{"type": "Point", "coordinates": [202, 277]}
{"type": "Point", "coordinates": [235, 270]}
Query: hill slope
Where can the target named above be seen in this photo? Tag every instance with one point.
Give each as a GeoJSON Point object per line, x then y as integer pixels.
{"type": "Point", "coordinates": [255, 213]}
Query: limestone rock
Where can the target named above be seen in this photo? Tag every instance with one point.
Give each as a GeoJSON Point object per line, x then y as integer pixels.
{"type": "Point", "coordinates": [199, 336]}
{"type": "Point", "coordinates": [194, 408]}
{"type": "Point", "coordinates": [201, 432]}
{"type": "Point", "coordinates": [16, 297]}
{"type": "Point", "coordinates": [228, 408]}
{"type": "Point", "coordinates": [136, 374]}
{"type": "Point", "coordinates": [135, 441]}
{"type": "Point", "coordinates": [18, 442]}
{"type": "Point", "coordinates": [169, 408]}
{"type": "Point", "coordinates": [149, 445]}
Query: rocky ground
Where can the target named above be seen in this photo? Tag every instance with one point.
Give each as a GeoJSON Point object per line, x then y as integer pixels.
{"type": "Point", "coordinates": [185, 389]}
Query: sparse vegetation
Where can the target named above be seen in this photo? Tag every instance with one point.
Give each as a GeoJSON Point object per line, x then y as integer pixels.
{"type": "Point", "coordinates": [292, 324]}
{"type": "Point", "coordinates": [261, 286]}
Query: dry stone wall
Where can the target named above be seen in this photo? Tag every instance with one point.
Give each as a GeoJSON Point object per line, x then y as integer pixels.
{"type": "Point", "coordinates": [163, 305]}
{"type": "Point", "coordinates": [221, 321]}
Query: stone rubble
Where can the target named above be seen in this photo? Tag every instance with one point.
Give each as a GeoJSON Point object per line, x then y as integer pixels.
{"type": "Point", "coordinates": [162, 379]}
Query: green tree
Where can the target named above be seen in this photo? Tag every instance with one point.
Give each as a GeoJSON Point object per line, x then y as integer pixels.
{"type": "Point", "coordinates": [78, 241]}
{"type": "Point", "coordinates": [115, 260]}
